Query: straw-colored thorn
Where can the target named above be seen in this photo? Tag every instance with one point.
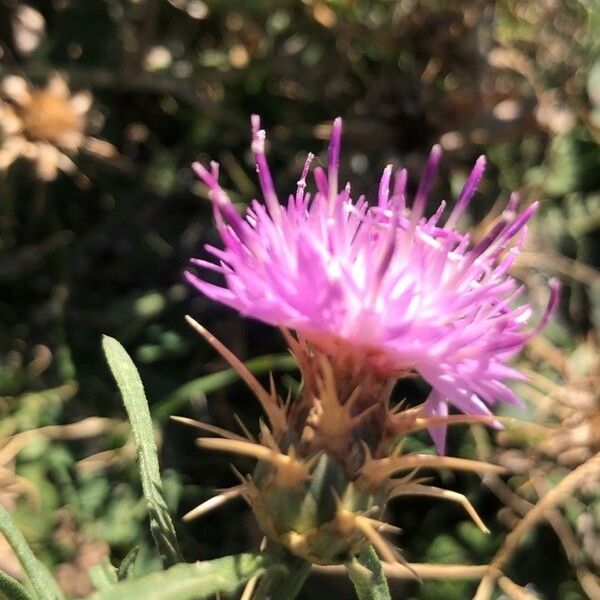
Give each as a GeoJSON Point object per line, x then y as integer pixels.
{"type": "Point", "coordinates": [289, 471]}
{"type": "Point", "coordinates": [213, 503]}
{"type": "Point", "coordinates": [416, 489]}
{"type": "Point", "coordinates": [268, 402]}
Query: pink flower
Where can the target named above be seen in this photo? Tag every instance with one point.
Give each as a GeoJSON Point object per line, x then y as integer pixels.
{"type": "Point", "coordinates": [401, 291]}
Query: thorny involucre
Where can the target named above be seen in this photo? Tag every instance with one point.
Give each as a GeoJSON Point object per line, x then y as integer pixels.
{"type": "Point", "coordinates": [380, 285]}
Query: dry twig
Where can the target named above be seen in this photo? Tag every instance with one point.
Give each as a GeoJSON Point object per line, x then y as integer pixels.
{"type": "Point", "coordinates": [552, 499]}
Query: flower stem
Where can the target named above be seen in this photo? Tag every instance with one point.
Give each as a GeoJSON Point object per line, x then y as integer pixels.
{"type": "Point", "coordinates": [284, 579]}
{"type": "Point", "coordinates": [366, 573]}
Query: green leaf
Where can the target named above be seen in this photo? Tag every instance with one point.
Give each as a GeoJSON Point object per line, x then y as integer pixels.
{"type": "Point", "coordinates": [136, 405]}
{"type": "Point", "coordinates": [284, 578]}
{"type": "Point", "coordinates": [215, 381]}
{"type": "Point", "coordinates": [128, 564]}
{"type": "Point", "coordinates": [189, 581]}
{"type": "Point", "coordinates": [368, 577]}
{"type": "Point", "coordinates": [11, 589]}
{"type": "Point", "coordinates": [103, 575]}
{"type": "Point", "coordinates": [44, 587]}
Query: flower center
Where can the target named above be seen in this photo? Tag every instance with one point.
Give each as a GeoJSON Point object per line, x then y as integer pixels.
{"type": "Point", "coordinates": [50, 118]}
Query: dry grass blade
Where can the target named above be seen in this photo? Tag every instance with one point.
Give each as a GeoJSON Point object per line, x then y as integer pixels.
{"type": "Point", "coordinates": [90, 427]}
{"type": "Point", "coordinates": [419, 571]}
{"type": "Point", "coordinates": [567, 267]}
{"type": "Point", "coordinates": [507, 496]}
{"type": "Point", "coordinates": [589, 582]}
{"type": "Point", "coordinates": [514, 591]}
{"type": "Point", "coordinates": [108, 459]}
{"type": "Point", "coordinates": [552, 499]}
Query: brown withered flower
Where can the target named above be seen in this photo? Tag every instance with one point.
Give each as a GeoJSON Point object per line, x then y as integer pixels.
{"type": "Point", "coordinates": [47, 126]}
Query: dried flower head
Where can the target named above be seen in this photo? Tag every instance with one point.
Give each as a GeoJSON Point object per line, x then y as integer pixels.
{"type": "Point", "coordinates": [45, 125]}
{"type": "Point", "coordinates": [381, 290]}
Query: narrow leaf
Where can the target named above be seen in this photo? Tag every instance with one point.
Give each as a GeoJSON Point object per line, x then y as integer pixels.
{"type": "Point", "coordinates": [128, 564]}
{"type": "Point", "coordinates": [189, 581]}
{"type": "Point", "coordinates": [368, 577]}
{"type": "Point", "coordinates": [136, 405]}
{"type": "Point", "coordinates": [11, 589]}
{"type": "Point", "coordinates": [44, 587]}
{"type": "Point", "coordinates": [103, 575]}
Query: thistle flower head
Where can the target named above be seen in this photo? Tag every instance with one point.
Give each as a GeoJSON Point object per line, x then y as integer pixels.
{"type": "Point", "coordinates": [380, 289]}
{"type": "Point", "coordinates": [364, 294]}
